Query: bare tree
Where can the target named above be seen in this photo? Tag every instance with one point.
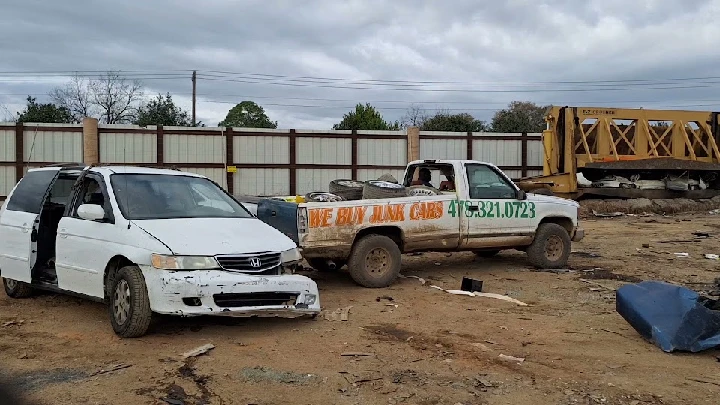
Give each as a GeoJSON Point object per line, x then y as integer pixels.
{"type": "Point", "coordinates": [415, 116]}
{"type": "Point", "coordinates": [117, 98]}
{"type": "Point", "coordinates": [76, 97]}
{"type": "Point", "coordinates": [111, 98]}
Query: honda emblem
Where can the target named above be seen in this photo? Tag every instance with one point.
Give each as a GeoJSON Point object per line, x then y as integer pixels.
{"type": "Point", "coordinates": [255, 262]}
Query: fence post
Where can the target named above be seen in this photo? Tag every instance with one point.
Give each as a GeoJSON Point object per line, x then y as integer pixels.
{"type": "Point", "coordinates": [229, 159]}
{"type": "Point", "coordinates": [524, 153]}
{"type": "Point", "coordinates": [91, 150]}
{"type": "Point", "coordinates": [354, 155]}
{"type": "Point", "coordinates": [293, 163]}
{"type": "Point", "coordinates": [413, 143]}
{"type": "Point", "coordinates": [160, 146]}
{"type": "Point", "coordinates": [19, 151]}
{"type": "Point", "coordinates": [469, 145]}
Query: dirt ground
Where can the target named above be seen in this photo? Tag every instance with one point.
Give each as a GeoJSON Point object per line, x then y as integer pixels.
{"type": "Point", "coordinates": [422, 345]}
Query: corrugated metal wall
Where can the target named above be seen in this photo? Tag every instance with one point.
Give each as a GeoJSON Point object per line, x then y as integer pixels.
{"type": "Point", "coordinates": [52, 146]}
{"type": "Point", "coordinates": [7, 154]}
{"type": "Point", "coordinates": [262, 155]}
{"type": "Point", "coordinates": [118, 145]}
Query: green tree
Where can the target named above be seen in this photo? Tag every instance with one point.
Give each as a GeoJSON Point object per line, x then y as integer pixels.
{"type": "Point", "coordinates": [249, 115]}
{"type": "Point", "coordinates": [365, 117]}
{"type": "Point", "coordinates": [46, 113]}
{"type": "Point", "coordinates": [163, 111]}
{"type": "Point", "coordinates": [463, 122]}
{"type": "Point", "coordinates": [520, 116]}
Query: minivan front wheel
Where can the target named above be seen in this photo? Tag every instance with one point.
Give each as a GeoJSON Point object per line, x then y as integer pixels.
{"type": "Point", "coordinates": [128, 303]}
{"type": "Point", "coordinates": [17, 289]}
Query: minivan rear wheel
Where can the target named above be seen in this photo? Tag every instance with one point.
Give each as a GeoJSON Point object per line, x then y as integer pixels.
{"type": "Point", "coordinates": [129, 303]}
{"type": "Point", "coordinates": [17, 289]}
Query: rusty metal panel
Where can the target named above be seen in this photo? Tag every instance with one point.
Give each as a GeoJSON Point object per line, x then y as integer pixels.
{"type": "Point", "coordinates": [193, 148]}
{"type": "Point", "coordinates": [214, 174]}
{"type": "Point", "coordinates": [261, 182]}
{"type": "Point", "coordinates": [442, 148]}
{"type": "Point", "coordinates": [127, 147]}
{"type": "Point", "coordinates": [373, 174]}
{"type": "Point", "coordinates": [52, 146]}
{"type": "Point", "coordinates": [261, 149]}
{"type": "Point", "coordinates": [332, 151]}
{"type": "Point", "coordinates": [382, 152]}
{"type": "Point", "coordinates": [7, 144]}
{"type": "Point", "coordinates": [309, 180]}
{"type": "Point", "coordinates": [498, 152]}
{"type": "Point", "coordinates": [7, 180]}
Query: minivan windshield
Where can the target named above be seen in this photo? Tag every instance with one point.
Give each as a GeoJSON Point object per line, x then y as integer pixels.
{"type": "Point", "coordinates": [167, 196]}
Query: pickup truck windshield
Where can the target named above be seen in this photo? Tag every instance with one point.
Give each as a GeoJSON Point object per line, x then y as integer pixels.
{"type": "Point", "coordinates": [163, 196]}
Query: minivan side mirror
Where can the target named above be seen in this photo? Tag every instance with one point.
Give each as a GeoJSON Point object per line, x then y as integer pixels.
{"type": "Point", "coordinates": [521, 195]}
{"type": "Point", "coordinates": [91, 212]}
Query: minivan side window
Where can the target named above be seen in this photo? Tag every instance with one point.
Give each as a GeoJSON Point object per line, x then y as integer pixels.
{"type": "Point", "coordinates": [29, 193]}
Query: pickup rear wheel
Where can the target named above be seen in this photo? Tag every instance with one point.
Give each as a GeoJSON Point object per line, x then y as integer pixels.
{"type": "Point", "coordinates": [129, 304]}
{"type": "Point", "coordinates": [375, 261]}
{"type": "Point", "coordinates": [551, 247]}
{"type": "Point", "coordinates": [17, 289]}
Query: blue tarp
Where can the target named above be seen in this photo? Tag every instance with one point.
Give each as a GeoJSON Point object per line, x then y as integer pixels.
{"type": "Point", "coordinates": [670, 316]}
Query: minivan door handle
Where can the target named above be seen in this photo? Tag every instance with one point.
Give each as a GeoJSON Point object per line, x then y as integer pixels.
{"type": "Point", "coordinates": [62, 233]}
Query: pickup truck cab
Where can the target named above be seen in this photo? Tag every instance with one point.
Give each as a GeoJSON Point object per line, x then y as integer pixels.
{"type": "Point", "coordinates": [479, 209]}
{"type": "Point", "coordinates": [147, 241]}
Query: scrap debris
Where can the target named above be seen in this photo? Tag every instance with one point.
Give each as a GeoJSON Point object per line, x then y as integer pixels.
{"type": "Point", "coordinates": [198, 351]}
{"type": "Point", "coordinates": [340, 314]}
{"type": "Point", "coordinates": [111, 369]}
{"type": "Point", "coordinates": [482, 294]}
{"type": "Point", "coordinates": [512, 359]}
{"type": "Point", "coordinates": [13, 323]}
{"type": "Point", "coordinates": [420, 279]}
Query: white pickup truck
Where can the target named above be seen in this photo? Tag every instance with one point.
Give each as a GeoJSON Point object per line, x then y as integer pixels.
{"type": "Point", "coordinates": [147, 241]}
{"type": "Point", "coordinates": [480, 210]}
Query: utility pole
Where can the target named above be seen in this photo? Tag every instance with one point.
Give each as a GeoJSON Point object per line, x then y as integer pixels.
{"type": "Point", "coordinates": [194, 91]}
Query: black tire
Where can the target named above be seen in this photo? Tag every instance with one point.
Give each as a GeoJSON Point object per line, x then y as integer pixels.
{"type": "Point", "coordinates": [542, 191]}
{"type": "Point", "coordinates": [388, 261]}
{"type": "Point", "coordinates": [486, 253]}
{"type": "Point", "coordinates": [321, 196]}
{"type": "Point", "coordinates": [375, 189]}
{"type": "Point", "coordinates": [138, 315]}
{"type": "Point", "coordinates": [551, 247]}
{"type": "Point", "coordinates": [320, 264]}
{"type": "Point", "coordinates": [347, 189]}
{"type": "Point", "coordinates": [421, 190]}
{"type": "Point", "coordinates": [17, 289]}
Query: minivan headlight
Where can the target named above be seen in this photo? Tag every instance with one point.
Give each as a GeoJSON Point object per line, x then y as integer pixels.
{"type": "Point", "coordinates": [169, 262]}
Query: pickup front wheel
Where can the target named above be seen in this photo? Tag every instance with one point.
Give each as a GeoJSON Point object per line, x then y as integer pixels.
{"type": "Point", "coordinates": [375, 261]}
{"type": "Point", "coordinates": [551, 247]}
{"type": "Point", "coordinates": [129, 304]}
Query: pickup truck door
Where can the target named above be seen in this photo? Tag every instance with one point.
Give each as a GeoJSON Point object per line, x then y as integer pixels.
{"type": "Point", "coordinates": [495, 215]}
{"type": "Point", "coordinates": [84, 247]}
{"type": "Point", "coordinates": [19, 221]}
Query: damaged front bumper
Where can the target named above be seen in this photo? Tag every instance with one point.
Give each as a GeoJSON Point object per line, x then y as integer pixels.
{"type": "Point", "coordinates": [223, 293]}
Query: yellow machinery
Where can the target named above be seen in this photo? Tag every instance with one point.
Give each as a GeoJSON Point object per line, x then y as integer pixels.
{"type": "Point", "coordinates": [629, 153]}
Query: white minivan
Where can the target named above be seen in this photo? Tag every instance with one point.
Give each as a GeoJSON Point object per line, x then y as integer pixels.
{"type": "Point", "coordinates": [147, 241]}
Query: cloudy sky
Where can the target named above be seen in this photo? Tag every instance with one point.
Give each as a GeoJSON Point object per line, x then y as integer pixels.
{"type": "Point", "coordinates": [309, 62]}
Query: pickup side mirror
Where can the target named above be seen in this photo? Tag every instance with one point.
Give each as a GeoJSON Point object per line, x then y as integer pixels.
{"type": "Point", "coordinates": [91, 212]}
{"type": "Point", "coordinates": [521, 195]}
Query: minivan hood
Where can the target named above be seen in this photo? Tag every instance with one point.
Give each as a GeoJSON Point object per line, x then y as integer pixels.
{"type": "Point", "coordinates": [216, 236]}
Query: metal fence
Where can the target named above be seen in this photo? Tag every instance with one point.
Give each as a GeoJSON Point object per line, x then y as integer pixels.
{"type": "Point", "coordinates": [259, 162]}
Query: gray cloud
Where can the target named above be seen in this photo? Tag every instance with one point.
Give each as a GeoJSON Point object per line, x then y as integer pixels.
{"type": "Point", "coordinates": [493, 52]}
